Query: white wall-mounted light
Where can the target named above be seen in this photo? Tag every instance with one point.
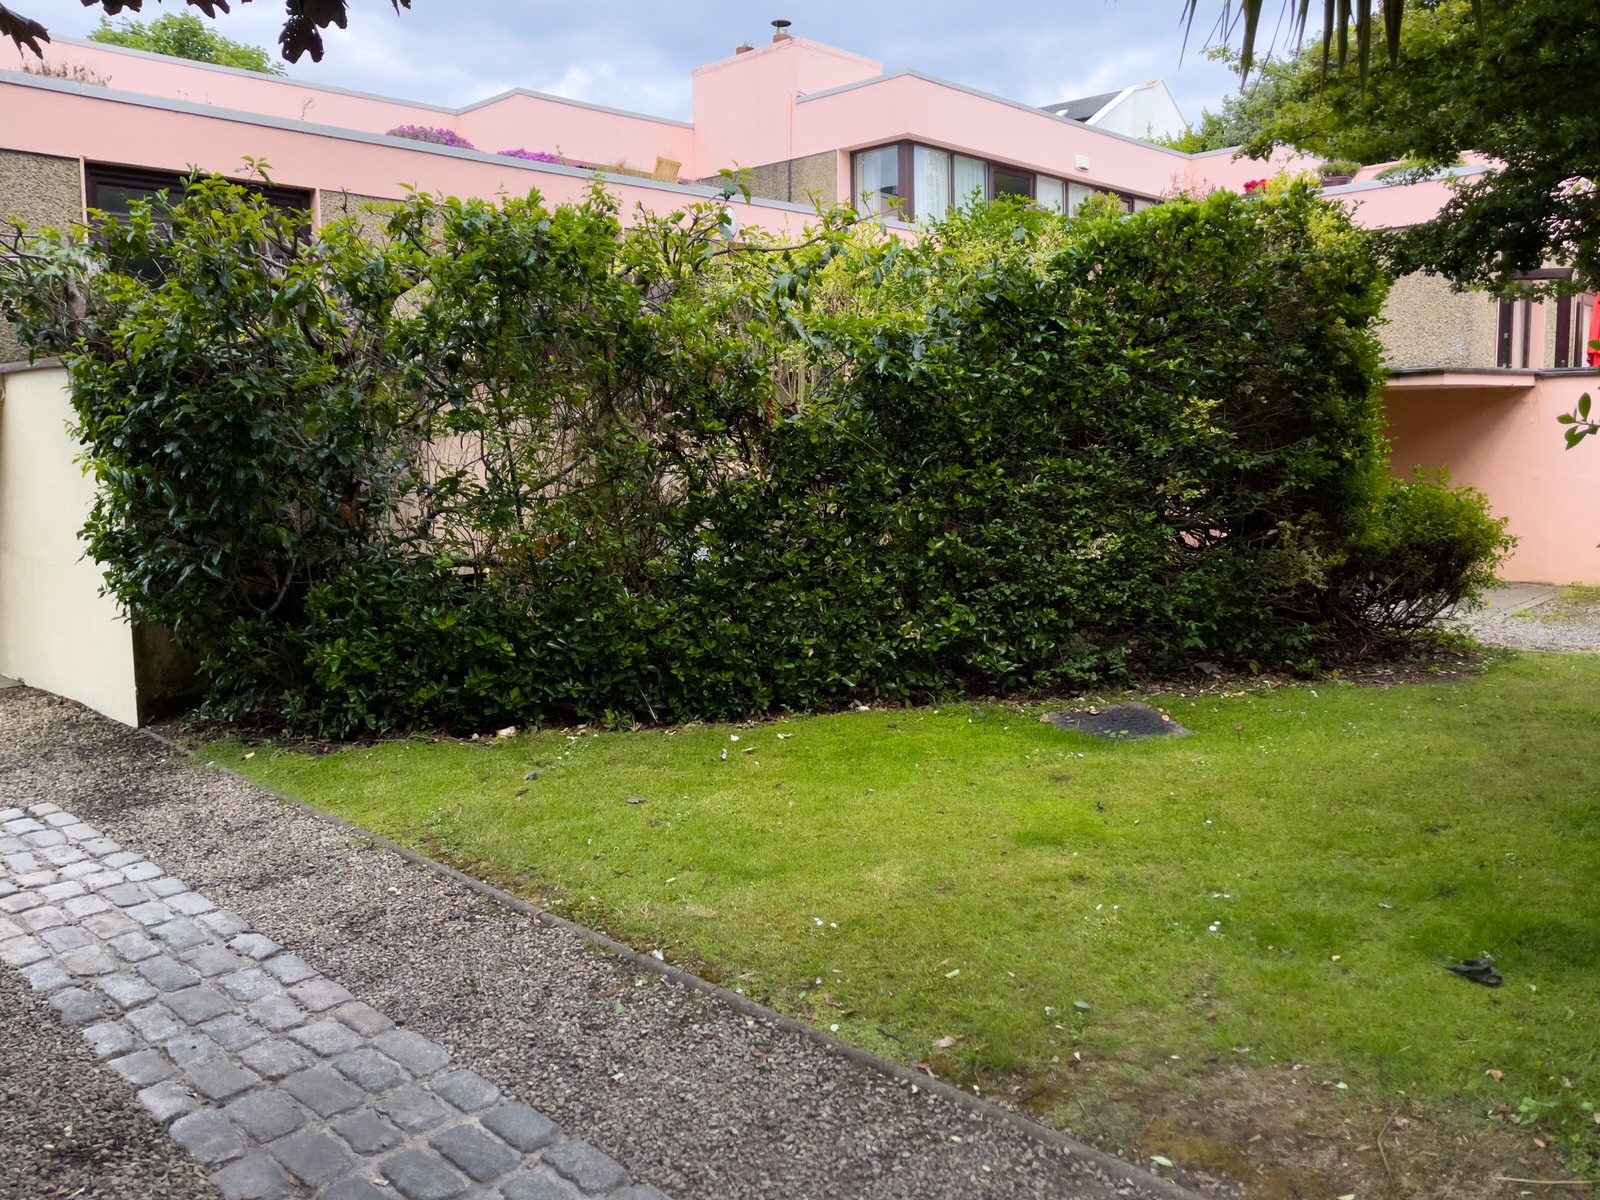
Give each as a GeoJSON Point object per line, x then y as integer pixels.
{"type": "Point", "coordinates": [1083, 162]}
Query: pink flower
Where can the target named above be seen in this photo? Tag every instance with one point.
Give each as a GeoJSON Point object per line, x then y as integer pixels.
{"type": "Point", "coordinates": [1251, 185]}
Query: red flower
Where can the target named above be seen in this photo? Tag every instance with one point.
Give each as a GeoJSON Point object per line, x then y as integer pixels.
{"type": "Point", "coordinates": [1251, 185]}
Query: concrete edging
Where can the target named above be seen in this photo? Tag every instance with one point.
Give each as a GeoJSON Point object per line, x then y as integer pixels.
{"type": "Point", "coordinates": [1111, 1165]}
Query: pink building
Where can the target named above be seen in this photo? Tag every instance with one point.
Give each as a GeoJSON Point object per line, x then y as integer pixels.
{"type": "Point", "coordinates": [1476, 385]}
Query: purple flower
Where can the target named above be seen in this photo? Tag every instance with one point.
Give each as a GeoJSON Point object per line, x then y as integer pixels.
{"type": "Point", "coordinates": [427, 133]}
{"type": "Point", "coordinates": [538, 156]}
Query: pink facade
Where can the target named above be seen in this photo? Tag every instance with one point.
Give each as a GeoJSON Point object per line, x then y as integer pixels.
{"type": "Point", "coordinates": [1475, 397]}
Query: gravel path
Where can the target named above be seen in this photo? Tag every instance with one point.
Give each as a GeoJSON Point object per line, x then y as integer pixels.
{"type": "Point", "coordinates": [1534, 617]}
{"type": "Point", "coordinates": [686, 1093]}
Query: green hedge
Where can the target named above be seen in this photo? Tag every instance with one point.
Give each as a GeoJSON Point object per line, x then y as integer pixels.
{"type": "Point", "coordinates": [516, 464]}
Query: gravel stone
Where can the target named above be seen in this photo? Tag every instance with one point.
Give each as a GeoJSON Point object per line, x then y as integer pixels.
{"type": "Point", "coordinates": [372, 1071]}
{"type": "Point", "coordinates": [168, 1101]}
{"type": "Point", "coordinates": [266, 1115]}
{"type": "Point", "coordinates": [639, 1191]}
{"type": "Point", "coordinates": [475, 1152]}
{"type": "Point", "coordinates": [520, 1125]}
{"type": "Point", "coordinates": [323, 1091]}
{"type": "Point", "coordinates": [221, 1079]}
{"type": "Point", "coordinates": [467, 1090]}
{"type": "Point", "coordinates": [254, 1178]}
{"type": "Point", "coordinates": [196, 1004]}
{"type": "Point", "coordinates": [209, 1136]}
{"type": "Point", "coordinates": [313, 1155]}
{"type": "Point", "coordinates": [418, 1175]}
{"type": "Point", "coordinates": [367, 1132]}
{"type": "Point", "coordinates": [413, 1051]}
{"type": "Point", "coordinates": [592, 1171]}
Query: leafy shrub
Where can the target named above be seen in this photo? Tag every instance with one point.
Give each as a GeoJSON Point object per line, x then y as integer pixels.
{"type": "Point", "coordinates": [1420, 549]}
{"type": "Point", "coordinates": [431, 133]}
{"type": "Point", "coordinates": [515, 463]}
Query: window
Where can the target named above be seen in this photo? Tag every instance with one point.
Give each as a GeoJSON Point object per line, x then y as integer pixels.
{"type": "Point", "coordinates": [1512, 343]}
{"type": "Point", "coordinates": [1010, 182]}
{"type": "Point", "coordinates": [931, 180]}
{"type": "Point", "coordinates": [1573, 314]}
{"type": "Point", "coordinates": [1051, 193]}
{"type": "Point", "coordinates": [970, 180]}
{"type": "Point", "coordinates": [913, 182]}
{"type": "Point", "coordinates": [115, 190]}
{"type": "Point", "coordinates": [878, 182]}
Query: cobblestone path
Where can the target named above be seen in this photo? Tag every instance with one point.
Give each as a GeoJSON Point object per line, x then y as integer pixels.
{"type": "Point", "coordinates": [275, 1077]}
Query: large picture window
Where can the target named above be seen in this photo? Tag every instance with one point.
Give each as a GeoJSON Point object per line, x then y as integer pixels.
{"type": "Point", "coordinates": [115, 190]}
{"type": "Point", "coordinates": [912, 182]}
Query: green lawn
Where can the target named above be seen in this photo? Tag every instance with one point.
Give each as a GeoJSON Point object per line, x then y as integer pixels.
{"type": "Point", "coordinates": [1286, 885]}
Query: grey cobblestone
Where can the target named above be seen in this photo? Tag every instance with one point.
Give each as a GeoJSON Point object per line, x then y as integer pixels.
{"type": "Point", "coordinates": [593, 1172]}
{"type": "Point", "coordinates": [168, 1101]}
{"type": "Point", "coordinates": [209, 1136]}
{"type": "Point", "coordinates": [266, 1115]}
{"type": "Point", "coordinates": [261, 1068]}
{"type": "Point", "coordinates": [467, 1090]}
{"type": "Point", "coordinates": [313, 1155]}
{"type": "Point", "coordinates": [254, 1178]}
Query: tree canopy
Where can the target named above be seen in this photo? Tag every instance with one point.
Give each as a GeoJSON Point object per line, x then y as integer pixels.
{"type": "Point", "coordinates": [184, 35]}
{"type": "Point", "coordinates": [1515, 85]}
{"type": "Point", "coordinates": [302, 27]}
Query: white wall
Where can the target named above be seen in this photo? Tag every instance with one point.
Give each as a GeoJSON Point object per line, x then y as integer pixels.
{"type": "Point", "coordinates": [57, 632]}
{"type": "Point", "coordinates": [1147, 111]}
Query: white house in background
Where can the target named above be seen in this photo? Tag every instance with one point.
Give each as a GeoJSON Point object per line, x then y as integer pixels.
{"type": "Point", "coordinates": [1146, 110]}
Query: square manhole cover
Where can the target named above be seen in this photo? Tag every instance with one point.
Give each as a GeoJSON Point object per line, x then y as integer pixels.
{"type": "Point", "coordinates": [1117, 722]}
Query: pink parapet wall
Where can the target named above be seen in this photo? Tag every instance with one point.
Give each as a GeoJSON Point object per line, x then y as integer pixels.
{"type": "Point", "coordinates": [1497, 432]}
{"type": "Point", "coordinates": [52, 117]}
{"type": "Point", "coordinates": [518, 119]}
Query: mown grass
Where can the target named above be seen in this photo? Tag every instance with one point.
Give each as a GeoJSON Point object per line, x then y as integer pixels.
{"type": "Point", "coordinates": [1286, 885]}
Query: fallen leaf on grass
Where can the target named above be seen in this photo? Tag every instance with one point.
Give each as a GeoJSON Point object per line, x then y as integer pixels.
{"type": "Point", "coordinates": [952, 974]}
{"type": "Point", "coordinates": [945, 1043]}
{"type": "Point", "coordinates": [784, 736]}
{"type": "Point", "coordinates": [1497, 1076]}
{"type": "Point", "coordinates": [1160, 1161]}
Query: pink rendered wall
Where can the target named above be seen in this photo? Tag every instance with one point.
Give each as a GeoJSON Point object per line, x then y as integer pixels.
{"type": "Point", "coordinates": [1507, 445]}
{"type": "Point", "coordinates": [743, 104]}
{"type": "Point", "coordinates": [101, 129]}
{"type": "Point", "coordinates": [516, 120]}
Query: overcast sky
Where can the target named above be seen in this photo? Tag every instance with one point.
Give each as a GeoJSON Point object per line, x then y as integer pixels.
{"type": "Point", "coordinates": [638, 55]}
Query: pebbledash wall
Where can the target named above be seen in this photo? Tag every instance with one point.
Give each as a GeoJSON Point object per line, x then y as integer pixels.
{"type": "Point", "coordinates": [1476, 389]}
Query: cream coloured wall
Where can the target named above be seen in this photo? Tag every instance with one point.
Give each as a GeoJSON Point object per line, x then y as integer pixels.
{"type": "Point", "coordinates": [57, 632]}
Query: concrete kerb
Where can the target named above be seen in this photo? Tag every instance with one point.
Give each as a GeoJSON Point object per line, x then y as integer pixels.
{"type": "Point", "coordinates": [1109, 1164]}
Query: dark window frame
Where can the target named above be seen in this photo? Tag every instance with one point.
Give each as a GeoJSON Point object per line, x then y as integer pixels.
{"type": "Point", "coordinates": [98, 175]}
